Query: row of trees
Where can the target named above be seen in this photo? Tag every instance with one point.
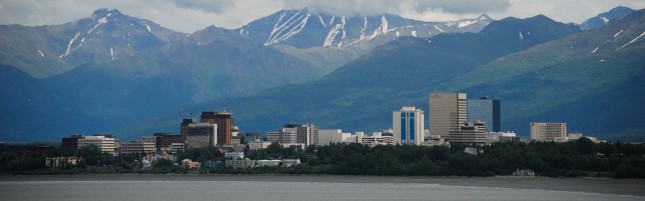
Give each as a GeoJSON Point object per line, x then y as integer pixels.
{"type": "Point", "coordinates": [578, 158]}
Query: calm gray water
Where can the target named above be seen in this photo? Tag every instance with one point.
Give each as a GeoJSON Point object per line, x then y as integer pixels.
{"type": "Point", "coordinates": [160, 189]}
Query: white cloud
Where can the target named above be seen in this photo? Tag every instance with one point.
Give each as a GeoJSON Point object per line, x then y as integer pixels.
{"type": "Point", "coordinates": [189, 16]}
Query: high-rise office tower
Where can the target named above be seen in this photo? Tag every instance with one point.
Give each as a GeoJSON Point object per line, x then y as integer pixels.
{"type": "Point", "coordinates": [224, 121]}
{"type": "Point", "coordinates": [408, 124]}
{"type": "Point", "coordinates": [183, 126]}
{"type": "Point", "coordinates": [305, 133]}
{"type": "Point", "coordinates": [548, 131]}
{"type": "Point", "coordinates": [201, 135]}
{"type": "Point", "coordinates": [487, 111]}
{"type": "Point", "coordinates": [447, 111]}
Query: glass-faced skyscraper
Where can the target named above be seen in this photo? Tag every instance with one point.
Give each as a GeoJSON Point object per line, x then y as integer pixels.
{"type": "Point", "coordinates": [487, 111]}
{"type": "Point", "coordinates": [408, 125]}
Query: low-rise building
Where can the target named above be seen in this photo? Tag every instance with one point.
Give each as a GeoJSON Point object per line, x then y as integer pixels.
{"type": "Point", "coordinates": [105, 143]}
{"type": "Point", "coordinates": [492, 137]}
{"type": "Point", "coordinates": [138, 146]}
{"type": "Point", "coordinates": [234, 155]}
{"type": "Point", "coordinates": [164, 140]}
{"type": "Point", "coordinates": [525, 173]}
{"type": "Point", "coordinates": [377, 138]}
{"type": "Point", "coordinates": [175, 147]}
{"type": "Point", "coordinates": [240, 163]}
{"type": "Point", "coordinates": [267, 163]}
{"type": "Point", "coordinates": [257, 145]}
{"type": "Point", "coordinates": [541, 131]}
{"type": "Point", "coordinates": [62, 162]}
{"type": "Point", "coordinates": [212, 164]}
{"type": "Point", "coordinates": [190, 164]}
{"type": "Point", "coordinates": [468, 133]}
{"type": "Point", "coordinates": [290, 162]}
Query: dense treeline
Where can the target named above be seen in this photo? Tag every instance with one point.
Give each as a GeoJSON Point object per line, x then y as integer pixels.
{"type": "Point", "coordinates": [578, 158]}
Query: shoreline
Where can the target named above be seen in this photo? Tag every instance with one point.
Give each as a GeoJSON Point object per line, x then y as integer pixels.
{"type": "Point", "coordinates": [632, 187]}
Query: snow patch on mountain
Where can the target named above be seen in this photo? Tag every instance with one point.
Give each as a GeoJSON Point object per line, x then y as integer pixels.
{"type": "Point", "coordinates": [437, 27]}
{"type": "Point", "coordinates": [287, 29]}
{"type": "Point", "coordinates": [521, 36]}
{"type": "Point", "coordinates": [621, 31]}
{"type": "Point", "coordinates": [414, 33]}
{"type": "Point", "coordinates": [41, 53]}
{"type": "Point", "coordinates": [466, 23]}
{"type": "Point", "coordinates": [148, 27]}
{"type": "Point", "coordinates": [112, 53]}
{"type": "Point", "coordinates": [604, 20]}
{"type": "Point", "coordinates": [331, 35]}
{"type": "Point", "coordinates": [101, 21]}
{"type": "Point", "coordinates": [69, 46]}
{"type": "Point", "coordinates": [363, 29]}
{"type": "Point", "coordinates": [383, 24]}
{"type": "Point", "coordinates": [632, 41]}
{"type": "Point", "coordinates": [322, 22]}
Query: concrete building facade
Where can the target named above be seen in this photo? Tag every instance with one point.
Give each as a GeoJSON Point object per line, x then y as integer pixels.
{"type": "Point", "coordinates": [137, 146]}
{"type": "Point", "coordinates": [541, 131]}
{"type": "Point", "coordinates": [201, 135]}
{"type": "Point", "coordinates": [468, 133]}
{"type": "Point", "coordinates": [225, 123]}
{"type": "Point", "coordinates": [103, 142]}
{"type": "Point", "coordinates": [326, 136]}
{"type": "Point", "coordinates": [408, 125]}
{"type": "Point", "coordinates": [447, 112]}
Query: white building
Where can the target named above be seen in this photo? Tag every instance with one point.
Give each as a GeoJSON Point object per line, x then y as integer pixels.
{"type": "Point", "coordinates": [284, 135]}
{"type": "Point", "coordinates": [137, 146]}
{"type": "Point", "coordinates": [306, 134]}
{"type": "Point", "coordinates": [175, 147]}
{"type": "Point", "coordinates": [377, 138]}
{"type": "Point", "coordinates": [257, 145]}
{"type": "Point", "coordinates": [326, 136]}
{"type": "Point", "coordinates": [408, 125]}
{"type": "Point", "coordinates": [509, 136]}
{"type": "Point", "coordinates": [240, 163]}
{"type": "Point", "coordinates": [234, 155]}
{"type": "Point", "coordinates": [290, 162]}
{"type": "Point", "coordinates": [548, 131]}
{"type": "Point", "coordinates": [104, 143]}
{"type": "Point", "coordinates": [577, 136]}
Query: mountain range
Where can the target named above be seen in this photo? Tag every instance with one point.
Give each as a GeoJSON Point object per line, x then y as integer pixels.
{"type": "Point", "coordinates": [110, 72]}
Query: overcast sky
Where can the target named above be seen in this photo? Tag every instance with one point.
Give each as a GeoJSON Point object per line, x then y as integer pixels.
{"type": "Point", "coordinates": [191, 15]}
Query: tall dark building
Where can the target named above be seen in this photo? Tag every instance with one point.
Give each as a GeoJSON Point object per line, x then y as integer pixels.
{"type": "Point", "coordinates": [165, 139]}
{"type": "Point", "coordinates": [71, 141]}
{"type": "Point", "coordinates": [224, 121]}
{"type": "Point", "coordinates": [183, 128]}
{"type": "Point", "coordinates": [487, 111]}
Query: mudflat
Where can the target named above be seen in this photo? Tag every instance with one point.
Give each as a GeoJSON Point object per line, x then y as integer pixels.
{"type": "Point", "coordinates": [633, 187]}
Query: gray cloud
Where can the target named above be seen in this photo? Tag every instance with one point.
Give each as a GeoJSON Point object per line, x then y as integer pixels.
{"type": "Point", "coordinates": [214, 6]}
{"type": "Point", "coordinates": [192, 15]}
{"type": "Point", "coordinates": [372, 7]}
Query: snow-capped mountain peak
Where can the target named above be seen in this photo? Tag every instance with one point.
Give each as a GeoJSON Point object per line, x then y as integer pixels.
{"type": "Point", "coordinates": [306, 28]}
{"type": "Point", "coordinates": [603, 18]}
